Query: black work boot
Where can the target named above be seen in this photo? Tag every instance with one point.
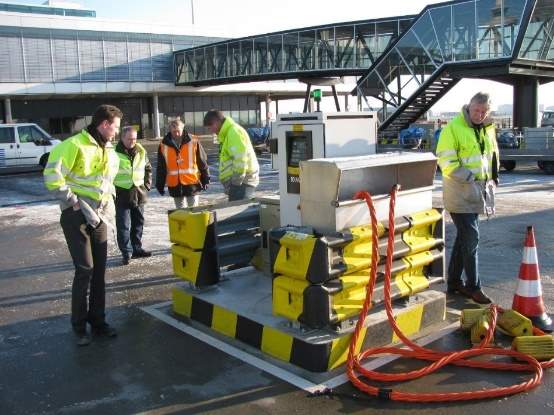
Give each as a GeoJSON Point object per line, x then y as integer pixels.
{"type": "Point", "coordinates": [141, 253]}
{"type": "Point", "coordinates": [458, 288]}
{"type": "Point", "coordinates": [480, 297]}
{"type": "Point", "coordinates": [104, 330]}
{"type": "Point", "coordinates": [82, 338]}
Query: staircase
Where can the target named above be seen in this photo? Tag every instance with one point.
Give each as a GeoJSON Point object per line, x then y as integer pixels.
{"type": "Point", "coordinates": [418, 103]}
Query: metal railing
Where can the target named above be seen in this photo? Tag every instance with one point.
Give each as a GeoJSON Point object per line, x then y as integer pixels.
{"type": "Point", "coordinates": [340, 49]}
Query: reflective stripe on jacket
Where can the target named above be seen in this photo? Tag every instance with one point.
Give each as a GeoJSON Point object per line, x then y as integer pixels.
{"type": "Point", "coordinates": [468, 157]}
{"type": "Point", "coordinates": [237, 160]}
{"type": "Point", "coordinates": [79, 166]}
{"type": "Point", "coordinates": [131, 173]}
{"type": "Point", "coordinates": [181, 167]}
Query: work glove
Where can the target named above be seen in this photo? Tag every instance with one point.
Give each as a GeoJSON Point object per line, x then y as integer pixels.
{"type": "Point", "coordinates": [204, 181]}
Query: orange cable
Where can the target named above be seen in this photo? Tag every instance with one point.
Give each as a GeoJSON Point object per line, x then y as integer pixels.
{"type": "Point", "coordinates": [355, 370]}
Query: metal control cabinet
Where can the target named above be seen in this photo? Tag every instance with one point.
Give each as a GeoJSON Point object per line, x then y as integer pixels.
{"type": "Point", "coordinates": [306, 136]}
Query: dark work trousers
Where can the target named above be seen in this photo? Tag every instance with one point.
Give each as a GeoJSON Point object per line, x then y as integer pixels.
{"type": "Point", "coordinates": [129, 222]}
{"type": "Point", "coordinates": [464, 255]}
{"type": "Point", "coordinates": [89, 250]}
{"type": "Point", "coordinates": [243, 191]}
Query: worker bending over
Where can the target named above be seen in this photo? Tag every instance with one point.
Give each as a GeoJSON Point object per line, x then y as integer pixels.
{"type": "Point", "coordinates": [238, 165]}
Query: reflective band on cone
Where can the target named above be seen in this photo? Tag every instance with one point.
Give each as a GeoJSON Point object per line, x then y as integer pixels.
{"type": "Point", "coordinates": [528, 297]}
{"type": "Point", "coordinates": [530, 256]}
{"type": "Point", "coordinates": [529, 288]}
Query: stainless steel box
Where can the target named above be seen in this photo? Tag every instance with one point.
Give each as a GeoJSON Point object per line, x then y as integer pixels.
{"type": "Point", "coordinates": [328, 187]}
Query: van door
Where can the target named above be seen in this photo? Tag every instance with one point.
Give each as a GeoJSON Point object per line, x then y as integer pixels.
{"type": "Point", "coordinates": [9, 152]}
{"type": "Point", "coordinates": [32, 143]}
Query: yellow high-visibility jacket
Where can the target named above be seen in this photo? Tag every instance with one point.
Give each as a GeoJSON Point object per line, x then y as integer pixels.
{"type": "Point", "coordinates": [237, 160]}
{"type": "Point", "coordinates": [80, 168]}
{"type": "Point", "coordinates": [131, 174]}
{"type": "Point", "coordinates": [468, 158]}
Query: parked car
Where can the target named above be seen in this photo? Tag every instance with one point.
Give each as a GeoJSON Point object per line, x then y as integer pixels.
{"type": "Point", "coordinates": [411, 138]}
{"type": "Point", "coordinates": [507, 139]}
{"type": "Point", "coordinates": [547, 118]}
{"type": "Point", "coordinates": [24, 146]}
{"type": "Point", "coordinates": [258, 137]}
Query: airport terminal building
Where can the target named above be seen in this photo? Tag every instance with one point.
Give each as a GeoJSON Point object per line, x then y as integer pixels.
{"type": "Point", "coordinates": [57, 65]}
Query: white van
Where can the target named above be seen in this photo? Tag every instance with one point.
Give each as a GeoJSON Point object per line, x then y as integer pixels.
{"type": "Point", "coordinates": [24, 146]}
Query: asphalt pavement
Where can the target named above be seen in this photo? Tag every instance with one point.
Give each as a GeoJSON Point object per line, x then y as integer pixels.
{"type": "Point", "coordinates": [153, 368]}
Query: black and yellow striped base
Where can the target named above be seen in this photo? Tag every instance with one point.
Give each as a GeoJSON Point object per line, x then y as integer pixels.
{"type": "Point", "coordinates": [316, 350]}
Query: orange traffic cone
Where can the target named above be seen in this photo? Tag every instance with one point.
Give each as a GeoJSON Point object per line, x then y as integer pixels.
{"type": "Point", "coordinates": [528, 297]}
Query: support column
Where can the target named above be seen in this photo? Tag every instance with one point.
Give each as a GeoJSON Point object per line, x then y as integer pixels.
{"type": "Point", "coordinates": [276, 108]}
{"type": "Point", "coordinates": [307, 98]}
{"type": "Point", "coordinates": [526, 102]}
{"type": "Point", "coordinates": [337, 106]}
{"type": "Point", "coordinates": [346, 106]}
{"type": "Point", "coordinates": [267, 111]}
{"type": "Point", "coordinates": [156, 114]}
{"type": "Point", "coordinates": [8, 110]}
{"type": "Point", "coordinates": [359, 99]}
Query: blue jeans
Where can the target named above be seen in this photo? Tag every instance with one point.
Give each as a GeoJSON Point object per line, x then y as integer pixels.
{"type": "Point", "coordinates": [464, 256]}
{"type": "Point", "coordinates": [129, 223]}
{"type": "Point", "coordinates": [241, 192]}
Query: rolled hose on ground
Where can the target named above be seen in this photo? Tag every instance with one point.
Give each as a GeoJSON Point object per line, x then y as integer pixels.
{"type": "Point", "coordinates": [356, 371]}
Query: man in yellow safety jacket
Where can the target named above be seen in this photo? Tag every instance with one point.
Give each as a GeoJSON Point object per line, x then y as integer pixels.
{"type": "Point", "coordinates": [132, 183]}
{"type": "Point", "coordinates": [182, 166]}
{"type": "Point", "coordinates": [80, 172]}
{"type": "Point", "coordinates": [238, 165]}
{"type": "Point", "coordinates": [468, 158]}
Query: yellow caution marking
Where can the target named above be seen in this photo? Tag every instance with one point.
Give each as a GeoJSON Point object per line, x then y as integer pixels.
{"type": "Point", "coordinates": [188, 228]}
{"type": "Point", "coordinates": [182, 302]}
{"type": "Point", "coordinates": [339, 349]}
{"type": "Point", "coordinates": [276, 343]}
{"type": "Point", "coordinates": [294, 171]}
{"type": "Point", "coordinates": [224, 321]}
{"type": "Point", "coordinates": [186, 263]}
{"type": "Point", "coordinates": [409, 322]}
{"type": "Point", "coordinates": [515, 324]}
{"type": "Point", "coordinates": [540, 347]}
{"type": "Point", "coordinates": [295, 253]}
{"type": "Point", "coordinates": [288, 297]}
{"type": "Point", "coordinates": [419, 237]}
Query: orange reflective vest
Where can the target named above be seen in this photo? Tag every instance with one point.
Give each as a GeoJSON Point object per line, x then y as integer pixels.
{"type": "Point", "coordinates": [181, 167]}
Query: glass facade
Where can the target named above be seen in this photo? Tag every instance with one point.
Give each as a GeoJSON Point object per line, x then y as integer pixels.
{"type": "Point", "coordinates": [63, 117]}
{"type": "Point", "coordinates": [56, 55]}
{"type": "Point", "coordinates": [458, 32]}
{"type": "Point", "coordinates": [537, 43]}
{"type": "Point", "coordinates": [344, 48]}
{"type": "Point", "coordinates": [55, 11]}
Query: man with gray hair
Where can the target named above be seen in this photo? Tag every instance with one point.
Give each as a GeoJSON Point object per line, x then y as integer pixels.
{"type": "Point", "coordinates": [132, 183]}
{"type": "Point", "coordinates": [468, 157]}
{"type": "Point", "coordinates": [182, 166]}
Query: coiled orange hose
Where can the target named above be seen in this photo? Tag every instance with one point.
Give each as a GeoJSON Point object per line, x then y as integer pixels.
{"type": "Point", "coordinates": [355, 370]}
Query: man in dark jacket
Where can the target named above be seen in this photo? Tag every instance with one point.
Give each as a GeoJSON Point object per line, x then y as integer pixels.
{"type": "Point", "coordinates": [182, 166]}
{"type": "Point", "coordinates": [132, 183]}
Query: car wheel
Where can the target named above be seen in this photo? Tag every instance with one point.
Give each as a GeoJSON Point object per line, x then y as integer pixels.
{"type": "Point", "coordinates": [548, 167]}
{"type": "Point", "coordinates": [43, 160]}
{"type": "Point", "coordinates": [508, 165]}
